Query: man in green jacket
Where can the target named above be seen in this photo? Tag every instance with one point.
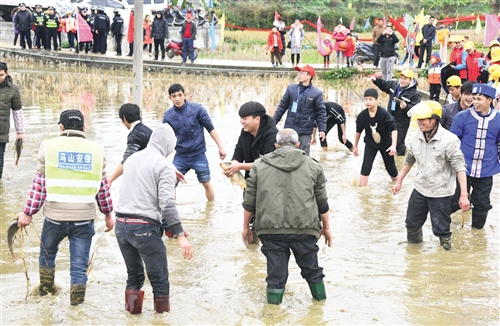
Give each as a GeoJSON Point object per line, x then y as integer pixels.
{"type": "Point", "coordinates": [10, 99]}
{"type": "Point", "coordinates": [286, 192]}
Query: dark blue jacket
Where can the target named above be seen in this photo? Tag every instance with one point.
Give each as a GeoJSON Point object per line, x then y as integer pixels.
{"type": "Point", "coordinates": [188, 123]}
{"type": "Point", "coordinates": [310, 110]}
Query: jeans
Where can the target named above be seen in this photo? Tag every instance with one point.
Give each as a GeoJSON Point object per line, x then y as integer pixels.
{"type": "Point", "coordinates": [79, 234]}
{"type": "Point", "coordinates": [187, 43]}
{"type": "Point", "coordinates": [71, 39]}
{"type": "Point", "coordinates": [386, 65]}
{"type": "Point", "coordinates": [376, 54]}
{"type": "Point", "coordinates": [305, 143]}
{"type": "Point", "coordinates": [198, 163]}
{"type": "Point", "coordinates": [143, 242]}
{"type": "Point", "coordinates": [277, 248]}
{"type": "Point", "coordinates": [439, 208]}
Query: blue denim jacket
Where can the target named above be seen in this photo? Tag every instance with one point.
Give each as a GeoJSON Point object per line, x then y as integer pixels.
{"type": "Point", "coordinates": [188, 123]}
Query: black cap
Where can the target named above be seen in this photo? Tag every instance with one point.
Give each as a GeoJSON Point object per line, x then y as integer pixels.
{"type": "Point", "coordinates": [71, 119]}
{"type": "Point", "coordinates": [84, 10]}
{"type": "Point", "coordinates": [38, 6]}
{"type": "Point", "coordinates": [252, 108]}
{"type": "Point", "coordinates": [22, 4]}
{"type": "Point", "coordinates": [371, 92]}
{"type": "Point", "coordinates": [51, 8]}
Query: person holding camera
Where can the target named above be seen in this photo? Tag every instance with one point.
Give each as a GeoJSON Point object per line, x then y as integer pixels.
{"type": "Point", "coordinates": [387, 43]}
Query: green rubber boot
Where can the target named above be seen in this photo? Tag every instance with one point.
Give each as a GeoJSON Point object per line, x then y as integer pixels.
{"type": "Point", "coordinates": [47, 276]}
{"type": "Point", "coordinates": [414, 236]}
{"type": "Point", "coordinates": [318, 290]}
{"type": "Point", "coordinates": [274, 296]}
{"type": "Point", "coordinates": [77, 293]}
{"type": "Point", "coordinates": [445, 243]}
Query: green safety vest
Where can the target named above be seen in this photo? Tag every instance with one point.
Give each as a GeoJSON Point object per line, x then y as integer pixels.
{"type": "Point", "coordinates": [51, 22]}
{"type": "Point", "coordinates": [39, 17]}
{"type": "Point", "coordinates": [73, 169]}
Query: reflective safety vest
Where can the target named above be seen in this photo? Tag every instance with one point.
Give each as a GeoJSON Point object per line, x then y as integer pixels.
{"type": "Point", "coordinates": [51, 21]}
{"type": "Point", "coordinates": [39, 18]}
{"type": "Point", "coordinates": [73, 169]}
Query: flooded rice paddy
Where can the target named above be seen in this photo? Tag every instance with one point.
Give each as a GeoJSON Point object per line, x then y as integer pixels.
{"type": "Point", "coordinates": [372, 275]}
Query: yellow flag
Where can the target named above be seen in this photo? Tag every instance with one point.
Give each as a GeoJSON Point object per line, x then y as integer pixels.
{"type": "Point", "coordinates": [422, 12]}
{"type": "Point", "coordinates": [349, 5]}
{"type": "Point", "coordinates": [478, 25]}
{"type": "Point", "coordinates": [222, 23]}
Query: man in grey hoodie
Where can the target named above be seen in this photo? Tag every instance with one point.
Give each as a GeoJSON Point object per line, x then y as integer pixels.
{"type": "Point", "coordinates": [147, 195]}
{"type": "Point", "coordinates": [286, 192]}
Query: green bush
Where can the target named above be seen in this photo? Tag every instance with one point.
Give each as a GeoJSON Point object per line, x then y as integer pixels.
{"type": "Point", "coordinates": [340, 73]}
{"type": "Point", "coordinates": [65, 45]}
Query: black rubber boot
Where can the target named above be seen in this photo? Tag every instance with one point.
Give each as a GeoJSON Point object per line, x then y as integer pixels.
{"type": "Point", "coordinates": [478, 218]}
{"type": "Point", "coordinates": [414, 236]}
{"type": "Point", "coordinates": [445, 243]}
{"type": "Point", "coordinates": [1, 172]}
{"type": "Point", "coordinates": [77, 293]}
{"type": "Point", "coordinates": [47, 276]}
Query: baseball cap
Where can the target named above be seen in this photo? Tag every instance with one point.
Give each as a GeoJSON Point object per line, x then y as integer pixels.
{"type": "Point", "coordinates": [468, 45]}
{"type": "Point", "coordinates": [494, 43]}
{"type": "Point", "coordinates": [307, 68]}
{"type": "Point", "coordinates": [252, 108]}
{"type": "Point", "coordinates": [454, 81]}
{"type": "Point", "coordinates": [71, 118]}
{"type": "Point", "coordinates": [407, 72]}
{"type": "Point", "coordinates": [484, 90]}
{"type": "Point", "coordinates": [495, 54]}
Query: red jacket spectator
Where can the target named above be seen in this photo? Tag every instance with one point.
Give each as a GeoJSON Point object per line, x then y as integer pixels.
{"type": "Point", "coordinates": [351, 46]}
{"type": "Point", "coordinates": [473, 70]}
{"type": "Point", "coordinates": [270, 41]}
{"type": "Point", "coordinates": [456, 56]}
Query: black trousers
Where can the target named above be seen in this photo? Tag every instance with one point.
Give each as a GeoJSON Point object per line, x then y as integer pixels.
{"type": "Point", "coordinates": [40, 35]}
{"type": "Point", "coordinates": [277, 248]}
{"type": "Point", "coordinates": [329, 125]}
{"type": "Point", "coordinates": [161, 45]}
{"type": "Point", "coordinates": [376, 54]}
{"type": "Point", "coordinates": [369, 157]}
{"type": "Point", "coordinates": [25, 38]}
{"type": "Point", "coordinates": [118, 39]}
{"type": "Point", "coordinates": [51, 36]}
{"type": "Point", "coordinates": [434, 92]}
{"type": "Point", "coordinates": [424, 50]}
{"type": "Point", "coordinates": [439, 208]}
{"type": "Point", "coordinates": [100, 39]}
{"type": "Point", "coordinates": [479, 196]}
{"type": "Point", "coordinates": [402, 131]}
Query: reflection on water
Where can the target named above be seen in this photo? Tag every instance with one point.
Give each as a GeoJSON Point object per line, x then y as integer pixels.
{"type": "Point", "coordinates": [372, 275]}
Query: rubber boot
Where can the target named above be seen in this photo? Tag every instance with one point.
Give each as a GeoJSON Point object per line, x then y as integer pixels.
{"type": "Point", "coordinates": [318, 290]}
{"type": "Point", "coordinates": [133, 301]}
{"type": "Point", "coordinates": [445, 243]}
{"type": "Point", "coordinates": [324, 63]}
{"type": "Point", "coordinates": [414, 236]}
{"type": "Point", "coordinates": [77, 293]}
{"type": "Point", "coordinates": [478, 218]}
{"type": "Point", "coordinates": [1, 172]}
{"type": "Point", "coordinates": [162, 304]}
{"type": "Point", "coordinates": [274, 296]}
{"type": "Point", "coordinates": [46, 280]}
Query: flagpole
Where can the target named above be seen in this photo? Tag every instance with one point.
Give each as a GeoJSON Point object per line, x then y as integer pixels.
{"type": "Point", "coordinates": [137, 79]}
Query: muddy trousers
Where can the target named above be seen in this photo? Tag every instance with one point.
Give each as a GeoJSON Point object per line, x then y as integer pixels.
{"type": "Point", "coordinates": [439, 208]}
{"type": "Point", "coordinates": [479, 197]}
{"type": "Point", "coordinates": [369, 156]}
{"type": "Point", "coordinates": [277, 248]}
{"type": "Point", "coordinates": [330, 123]}
{"type": "Point", "coordinates": [136, 248]}
{"type": "Point", "coordinates": [79, 234]}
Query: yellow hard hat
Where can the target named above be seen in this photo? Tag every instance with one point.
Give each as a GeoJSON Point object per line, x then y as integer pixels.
{"type": "Point", "coordinates": [454, 81]}
{"type": "Point", "coordinates": [407, 72]}
{"type": "Point", "coordinates": [468, 45]}
{"type": "Point", "coordinates": [453, 38]}
{"type": "Point", "coordinates": [459, 38]}
{"type": "Point", "coordinates": [494, 43]}
{"type": "Point", "coordinates": [494, 71]}
{"type": "Point", "coordinates": [426, 110]}
{"type": "Point", "coordinates": [495, 54]}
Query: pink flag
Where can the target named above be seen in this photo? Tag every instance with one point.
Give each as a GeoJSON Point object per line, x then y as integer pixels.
{"type": "Point", "coordinates": [276, 16]}
{"type": "Point", "coordinates": [84, 32]}
{"type": "Point", "coordinates": [351, 27]}
{"type": "Point", "coordinates": [321, 48]}
{"type": "Point", "coordinates": [491, 28]}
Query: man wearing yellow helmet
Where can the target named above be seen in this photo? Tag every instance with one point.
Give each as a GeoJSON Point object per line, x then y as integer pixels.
{"type": "Point", "coordinates": [439, 162]}
{"type": "Point", "coordinates": [479, 132]}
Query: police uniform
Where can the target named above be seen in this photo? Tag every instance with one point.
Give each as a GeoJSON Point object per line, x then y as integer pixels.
{"type": "Point", "coordinates": [101, 29]}
{"type": "Point", "coordinates": [40, 33]}
{"type": "Point", "coordinates": [116, 30]}
{"type": "Point", "coordinates": [51, 23]}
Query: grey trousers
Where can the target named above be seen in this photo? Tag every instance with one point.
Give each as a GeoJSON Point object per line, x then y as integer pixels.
{"type": "Point", "coordinates": [305, 143]}
{"type": "Point", "coordinates": [386, 64]}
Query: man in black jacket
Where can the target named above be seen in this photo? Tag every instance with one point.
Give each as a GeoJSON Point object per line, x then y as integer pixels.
{"type": "Point", "coordinates": [116, 31]}
{"type": "Point", "coordinates": [159, 32]}
{"type": "Point", "coordinates": [23, 22]}
{"type": "Point", "coordinates": [257, 137]}
{"type": "Point", "coordinates": [403, 95]}
{"type": "Point", "coordinates": [428, 34]}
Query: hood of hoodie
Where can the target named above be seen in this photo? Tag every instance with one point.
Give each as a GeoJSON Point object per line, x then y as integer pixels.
{"type": "Point", "coordinates": [436, 54]}
{"type": "Point", "coordinates": [413, 83]}
{"type": "Point", "coordinates": [267, 122]}
{"type": "Point", "coordinates": [286, 158]}
{"type": "Point", "coordinates": [163, 139]}
{"type": "Point", "coordinates": [7, 81]}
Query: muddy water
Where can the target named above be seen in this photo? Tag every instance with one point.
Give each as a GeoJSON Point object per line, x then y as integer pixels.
{"type": "Point", "coordinates": [372, 276]}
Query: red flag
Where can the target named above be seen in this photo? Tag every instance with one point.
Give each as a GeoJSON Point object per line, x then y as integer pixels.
{"type": "Point", "coordinates": [276, 16]}
{"type": "Point", "coordinates": [84, 31]}
{"type": "Point", "coordinates": [130, 32]}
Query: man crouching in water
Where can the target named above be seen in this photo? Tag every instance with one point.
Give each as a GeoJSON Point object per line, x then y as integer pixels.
{"type": "Point", "coordinates": [147, 196]}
